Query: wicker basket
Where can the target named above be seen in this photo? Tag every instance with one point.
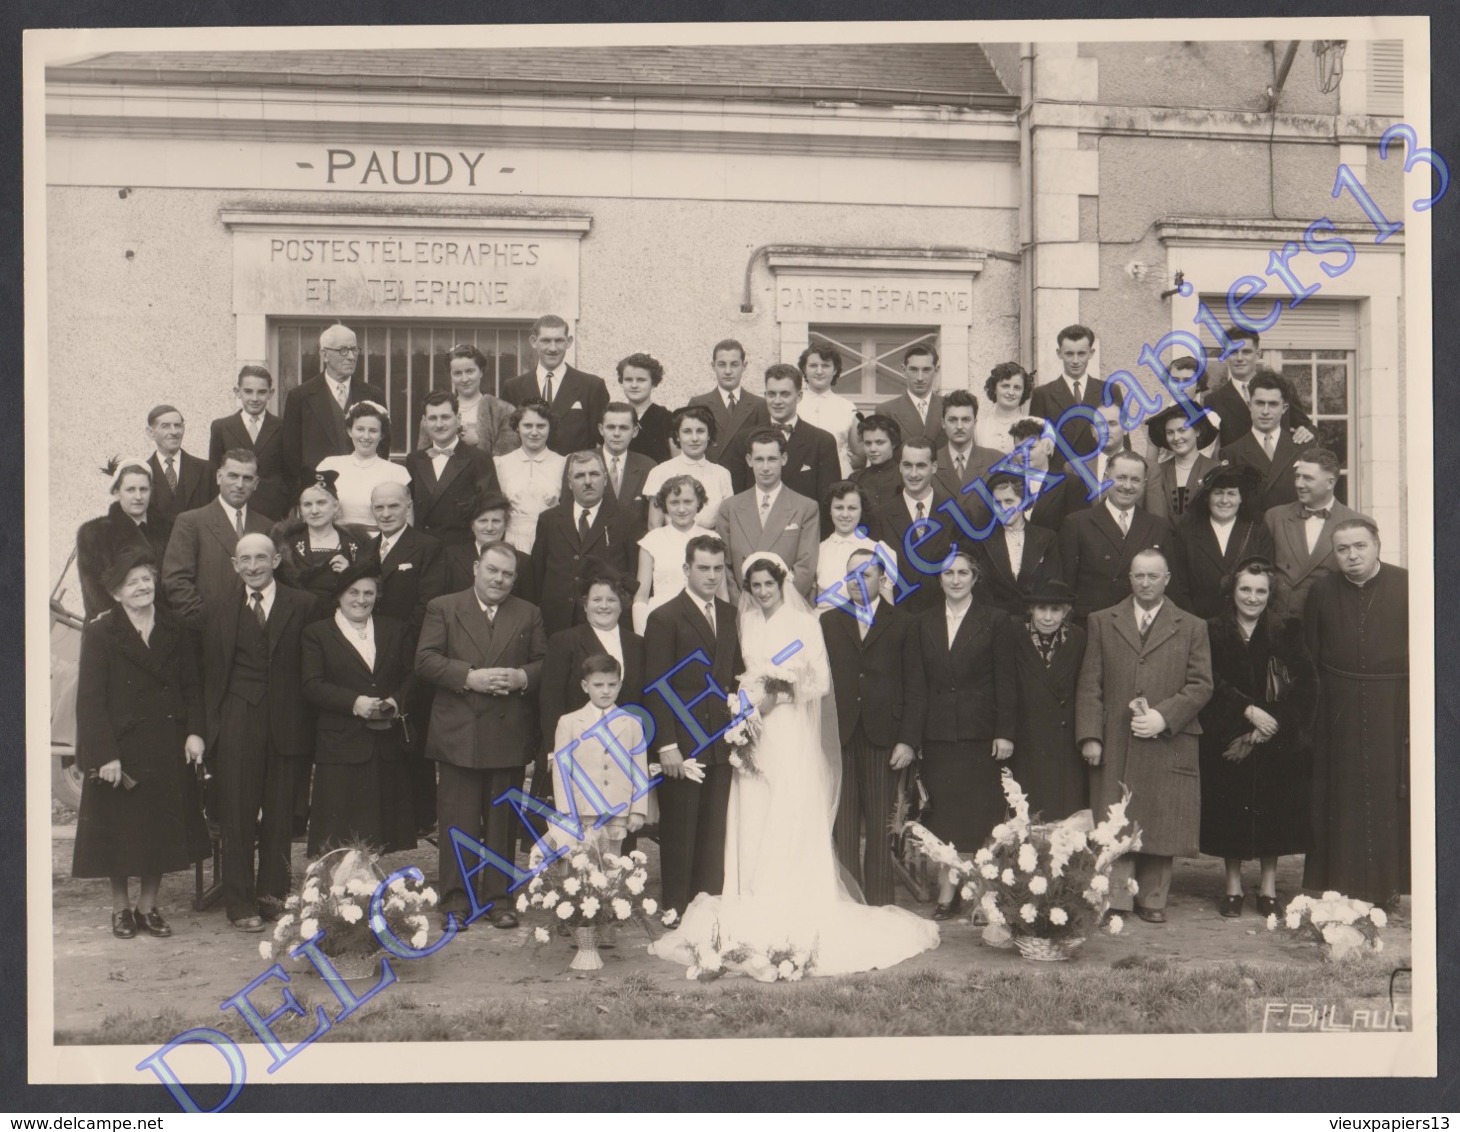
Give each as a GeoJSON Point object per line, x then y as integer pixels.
{"type": "Point", "coordinates": [353, 966]}
{"type": "Point", "coordinates": [587, 958]}
{"type": "Point", "coordinates": [1046, 950]}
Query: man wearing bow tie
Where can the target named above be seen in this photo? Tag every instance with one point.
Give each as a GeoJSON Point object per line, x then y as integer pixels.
{"type": "Point", "coordinates": [586, 526]}
{"type": "Point", "coordinates": [450, 476]}
{"type": "Point", "coordinates": [812, 464]}
{"type": "Point", "coordinates": [314, 412]}
{"type": "Point", "coordinates": [1302, 531]}
{"type": "Point", "coordinates": [577, 399]}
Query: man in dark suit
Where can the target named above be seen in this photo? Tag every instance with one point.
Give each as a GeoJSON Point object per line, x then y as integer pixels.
{"type": "Point", "coordinates": [812, 464]}
{"type": "Point", "coordinates": [1230, 400]}
{"type": "Point", "coordinates": [1018, 556]}
{"type": "Point", "coordinates": [917, 410]}
{"type": "Point", "coordinates": [960, 460]}
{"type": "Point", "coordinates": [450, 476]}
{"type": "Point", "coordinates": [483, 650]}
{"type": "Point", "coordinates": [314, 412]}
{"type": "Point", "coordinates": [1145, 652]}
{"type": "Point", "coordinates": [583, 528]}
{"type": "Point", "coordinates": [1097, 544]}
{"type": "Point", "coordinates": [412, 574]}
{"type": "Point", "coordinates": [881, 478]}
{"type": "Point", "coordinates": [1267, 447]}
{"type": "Point", "coordinates": [577, 398]}
{"type": "Point", "coordinates": [1045, 501]}
{"type": "Point", "coordinates": [873, 655]}
{"type": "Point", "coordinates": [255, 428]}
{"type": "Point", "coordinates": [627, 469]}
{"type": "Point", "coordinates": [918, 522]}
{"type": "Point", "coordinates": [180, 481]}
{"type": "Point", "coordinates": [257, 727]}
{"type": "Point", "coordinates": [735, 410]}
{"type": "Point", "coordinates": [1302, 531]}
{"type": "Point", "coordinates": [1075, 345]}
{"type": "Point", "coordinates": [197, 568]}
{"type": "Point", "coordinates": [692, 650]}
{"type": "Point", "coordinates": [1077, 486]}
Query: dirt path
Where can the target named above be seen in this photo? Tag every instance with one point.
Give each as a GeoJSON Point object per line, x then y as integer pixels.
{"type": "Point", "coordinates": [205, 961]}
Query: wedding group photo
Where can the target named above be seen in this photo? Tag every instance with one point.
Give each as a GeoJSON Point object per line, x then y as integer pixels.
{"type": "Point", "coordinates": [553, 538]}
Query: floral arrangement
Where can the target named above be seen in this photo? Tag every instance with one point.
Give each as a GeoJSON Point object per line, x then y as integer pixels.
{"type": "Point", "coordinates": [590, 887]}
{"type": "Point", "coordinates": [1046, 881]}
{"type": "Point", "coordinates": [745, 702]}
{"type": "Point", "coordinates": [334, 897]}
{"type": "Point", "coordinates": [764, 964]}
{"type": "Point", "coordinates": [1340, 925]}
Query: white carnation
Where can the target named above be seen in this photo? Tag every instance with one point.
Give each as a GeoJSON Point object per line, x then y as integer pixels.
{"type": "Point", "coordinates": [358, 887]}
{"type": "Point", "coordinates": [565, 910]}
{"type": "Point", "coordinates": [634, 885]}
{"type": "Point", "coordinates": [1028, 857]}
{"type": "Point", "coordinates": [1028, 913]}
{"type": "Point", "coordinates": [1100, 882]}
{"type": "Point", "coordinates": [337, 890]}
{"type": "Point", "coordinates": [1132, 886]}
{"type": "Point", "coordinates": [590, 906]}
{"type": "Point", "coordinates": [670, 918]}
{"type": "Point", "coordinates": [418, 941]}
{"type": "Point", "coordinates": [1116, 924]}
{"type": "Point", "coordinates": [622, 908]}
{"type": "Point", "coordinates": [266, 949]}
{"type": "Point", "coordinates": [309, 928]}
{"type": "Point", "coordinates": [651, 906]}
{"type": "Point", "coordinates": [541, 935]}
{"type": "Point", "coordinates": [1038, 885]}
{"type": "Point", "coordinates": [639, 857]}
{"type": "Point", "coordinates": [572, 885]}
{"type": "Point", "coordinates": [1378, 917]}
{"type": "Point", "coordinates": [989, 871]}
{"type": "Point", "coordinates": [522, 902]}
{"type": "Point", "coordinates": [549, 898]}
{"type": "Point", "coordinates": [580, 861]}
{"type": "Point", "coordinates": [1272, 921]}
{"type": "Point", "coordinates": [983, 856]}
{"type": "Point", "coordinates": [429, 895]}
{"type": "Point", "coordinates": [351, 913]}
{"type": "Point", "coordinates": [785, 968]}
{"type": "Point", "coordinates": [1058, 917]}
{"type": "Point", "coordinates": [598, 880]}
{"type": "Point", "coordinates": [1007, 877]}
{"type": "Point", "coordinates": [1293, 920]}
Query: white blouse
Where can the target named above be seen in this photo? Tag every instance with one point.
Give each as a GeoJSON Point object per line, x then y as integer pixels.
{"type": "Point", "coordinates": [531, 484]}
{"type": "Point", "coordinates": [836, 415]}
{"type": "Point", "coordinates": [992, 430]}
{"type": "Point", "coordinates": [365, 645]}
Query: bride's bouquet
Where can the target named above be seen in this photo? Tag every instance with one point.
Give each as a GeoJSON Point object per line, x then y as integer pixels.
{"type": "Point", "coordinates": [745, 703]}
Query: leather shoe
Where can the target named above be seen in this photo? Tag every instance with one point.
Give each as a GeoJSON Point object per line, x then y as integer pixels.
{"type": "Point", "coordinates": [270, 909]}
{"type": "Point", "coordinates": [1231, 906]}
{"type": "Point", "coordinates": [124, 926]}
{"type": "Point", "coordinates": [247, 924]}
{"type": "Point", "coordinates": [461, 922]}
{"type": "Point", "coordinates": [152, 923]}
{"type": "Point", "coordinates": [504, 918]}
{"type": "Point", "coordinates": [1151, 915]}
{"type": "Point", "coordinates": [1266, 905]}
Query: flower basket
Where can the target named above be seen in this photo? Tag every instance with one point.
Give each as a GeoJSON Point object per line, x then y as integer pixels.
{"type": "Point", "coordinates": [587, 958]}
{"type": "Point", "coordinates": [1042, 950]}
{"type": "Point", "coordinates": [1047, 884]}
{"type": "Point", "coordinates": [352, 965]}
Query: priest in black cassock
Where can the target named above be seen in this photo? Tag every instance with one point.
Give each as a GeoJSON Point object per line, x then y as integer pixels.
{"type": "Point", "coordinates": [1357, 622]}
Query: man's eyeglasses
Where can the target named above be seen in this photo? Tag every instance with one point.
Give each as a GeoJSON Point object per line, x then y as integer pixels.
{"type": "Point", "coordinates": [348, 351]}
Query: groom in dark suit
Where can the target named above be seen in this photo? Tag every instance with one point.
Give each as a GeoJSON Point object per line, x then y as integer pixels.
{"type": "Point", "coordinates": [689, 706]}
{"type": "Point", "coordinates": [873, 653]}
{"type": "Point", "coordinates": [577, 398]}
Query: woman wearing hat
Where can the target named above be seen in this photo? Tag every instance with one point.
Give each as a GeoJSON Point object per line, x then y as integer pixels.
{"type": "Point", "coordinates": [127, 526]}
{"type": "Point", "coordinates": [313, 548]}
{"type": "Point", "coordinates": [1048, 648]}
{"type": "Point", "coordinates": [1221, 527]}
{"type": "Point", "coordinates": [1256, 733]}
{"type": "Point", "coordinates": [1173, 478]}
{"type": "Point", "coordinates": [357, 670]}
{"type": "Point", "coordinates": [139, 724]}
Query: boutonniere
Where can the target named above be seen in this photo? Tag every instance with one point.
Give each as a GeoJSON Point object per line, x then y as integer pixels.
{"type": "Point", "coordinates": [404, 566]}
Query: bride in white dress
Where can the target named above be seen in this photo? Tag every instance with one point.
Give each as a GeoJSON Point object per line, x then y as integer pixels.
{"type": "Point", "coordinates": [784, 890]}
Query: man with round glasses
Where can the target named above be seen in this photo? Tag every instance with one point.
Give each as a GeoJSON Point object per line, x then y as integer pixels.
{"type": "Point", "coordinates": [314, 412]}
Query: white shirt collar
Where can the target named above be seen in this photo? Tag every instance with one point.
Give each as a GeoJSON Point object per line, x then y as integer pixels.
{"type": "Point", "coordinates": [557, 373]}
{"type": "Point", "coordinates": [725, 395]}
{"type": "Point", "coordinates": [247, 416]}
{"type": "Point", "coordinates": [785, 426]}
{"type": "Point", "coordinates": [267, 593]}
{"type": "Point", "coordinates": [912, 504]}
{"type": "Point", "coordinates": [481, 603]}
{"type": "Point", "coordinates": [1115, 511]}
{"type": "Point", "coordinates": [773, 494]}
{"type": "Point", "coordinates": [1146, 613]}
{"type": "Point", "coordinates": [229, 509]}
{"type": "Point", "coordinates": [592, 512]}
{"type": "Point", "coordinates": [444, 453]}
{"type": "Point", "coordinates": [611, 641]}
{"type": "Point", "coordinates": [387, 542]}
{"type": "Point", "coordinates": [163, 458]}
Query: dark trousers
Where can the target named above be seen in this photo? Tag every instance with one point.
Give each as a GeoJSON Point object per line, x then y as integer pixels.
{"type": "Point", "coordinates": [1152, 876]}
{"type": "Point", "coordinates": [464, 801]}
{"type": "Point", "coordinates": [692, 835]}
{"type": "Point", "coordinates": [869, 786]}
{"type": "Point", "coordinates": [256, 804]}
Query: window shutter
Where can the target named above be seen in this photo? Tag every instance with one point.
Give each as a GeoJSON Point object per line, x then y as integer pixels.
{"type": "Point", "coordinates": [1386, 78]}
{"type": "Point", "coordinates": [1315, 325]}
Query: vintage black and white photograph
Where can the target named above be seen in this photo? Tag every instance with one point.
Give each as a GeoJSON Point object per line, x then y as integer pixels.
{"type": "Point", "coordinates": [729, 532]}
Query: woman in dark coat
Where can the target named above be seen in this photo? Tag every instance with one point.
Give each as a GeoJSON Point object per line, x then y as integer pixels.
{"type": "Point", "coordinates": [1256, 735]}
{"type": "Point", "coordinates": [969, 718]}
{"type": "Point", "coordinates": [1228, 494]}
{"type": "Point", "coordinates": [314, 549]}
{"type": "Point", "coordinates": [1048, 649]}
{"type": "Point", "coordinates": [139, 725]}
{"type": "Point", "coordinates": [357, 670]}
{"type": "Point", "coordinates": [125, 527]}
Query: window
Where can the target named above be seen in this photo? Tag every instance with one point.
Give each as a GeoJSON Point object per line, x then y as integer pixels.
{"type": "Point", "coordinates": [872, 358]}
{"type": "Point", "coordinates": [406, 359]}
{"type": "Point", "coordinates": [1385, 87]}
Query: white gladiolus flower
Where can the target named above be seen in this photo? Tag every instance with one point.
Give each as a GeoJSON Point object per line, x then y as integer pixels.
{"type": "Point", "coordinates": [535, 885]}
{"type": "Point", "coordinates": [1028, 913]}
{"type": "Point", "coordinates": [1028, 857]}
{"type": "Point", "coordinates": [622, 908]}
{"type": "Point", "coordinates": [541, 935]}
{"type": "Point", "coordinates": [395, 904]}
{"type": "Point", "coordinates": [580, 861]}
{"type": "Point", "coordinates": [292, 901]}
{"type": "Point", "coordinates": [1116, 924]}
{"type": "Point", "coordinates": [634, 885]}
{"type": "Point", "coordinates": [590, 906]}
{"type": "Point", "coordinates": [351, 913]}
{"type": "Point", "coordinates": [358, 887]}
{"type": "Point", "coordinates": [1058, 916]}
{"type": "Point", "coordinates": [565, 910]}
{"type": "Point", "coordinates": [1038, 885]}
{"type": "Point", "coordinates": [989, 872]}
{"type": "Point", "coordinates": [1000, 832]}
{"type": "Point", "coordinates": [311, 895]}
{"type": "Point", "coordinates": [572, 885]}
{"type": "Point", "coordinates": [266, 949]}
{"type": "Point", "coordinates": [285, 920]}
{"type": "Point", "coordinates": [1007, 877]}
{"type": "Point", "coordinates": [1100, 882]}
{"type": "Point", "coordinates": [639, 857]}
{"type": "Point", "coordinates": [309, 928]}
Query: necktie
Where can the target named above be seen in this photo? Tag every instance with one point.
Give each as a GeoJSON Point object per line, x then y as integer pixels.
{"type": "Point", "coordinates": [342, 394]}
{"type": "Point", "coordinates": [1124, 521]}
{"type": "Point", "coordinates": [169, 473]}
{"type": "Point", "coordinates": [1077, 391]}
{"type": "Point", "coordinates": [1315, 512]}
{"type": "Point", "coordinates": [922, 512]}
{"type": "Point", "coordinates": [732, 402]}
{"type": "Point", "coordinates": [252, 423]}
{"type": "Point", "coordinates": [765, 508]}
{"type": "Point", "coordinates": [258, 609]}
{"type": "Point", "coordinates": [547, 389]}
{"type": "Point", "coordinates": [614, 475]}
{"type": "Point", "coordinates": [710, 616]}
{"type": "Point", "coordinates": [1268, 444]}
{"type": "Point", "coordinates": [491, 615]}
{"type": "Point", "coordinates": [238, 522]}
{"type": "Point", "coordinates": [583, 525]}
{"type": "Point", "coordinates": [922, 410]}
{"type": "Point", "coordinates": [1145, 622]}
{"type": "Point", "coordinates": [958, 467]}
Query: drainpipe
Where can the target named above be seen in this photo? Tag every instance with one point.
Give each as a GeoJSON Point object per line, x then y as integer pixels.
{"type": "Point", "coordinates": [1026, 206]}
